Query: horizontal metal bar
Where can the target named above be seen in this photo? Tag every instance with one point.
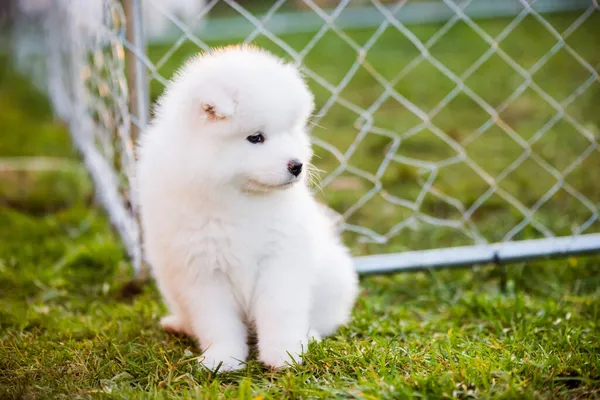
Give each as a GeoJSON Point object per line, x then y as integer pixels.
{"type": "Point", "coordinates": [498, 253]}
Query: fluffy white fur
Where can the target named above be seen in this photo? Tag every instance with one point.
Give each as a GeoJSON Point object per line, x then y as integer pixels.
{"type": "Point", "coordinates": [236, 240]}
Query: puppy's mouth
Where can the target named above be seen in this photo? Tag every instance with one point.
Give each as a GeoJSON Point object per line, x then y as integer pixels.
{"type": "Point", "coordinates": [257, 186]}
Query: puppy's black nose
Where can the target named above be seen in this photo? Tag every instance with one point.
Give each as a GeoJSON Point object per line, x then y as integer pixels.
{"type": "Point", "coordinates": [295, 167]}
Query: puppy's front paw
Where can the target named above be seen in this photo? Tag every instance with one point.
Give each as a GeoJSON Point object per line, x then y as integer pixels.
{"type": "Point", "coordinates": [212, 358]}
{"type": "Point", "coordinates": [282, 355]}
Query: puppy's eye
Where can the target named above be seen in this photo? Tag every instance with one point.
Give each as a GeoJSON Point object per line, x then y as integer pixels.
{"type": "Point", "coordinates": [256, 138]}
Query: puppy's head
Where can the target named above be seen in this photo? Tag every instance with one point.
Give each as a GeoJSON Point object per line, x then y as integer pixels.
{"type": "Point", "coordinates": [242, 114]}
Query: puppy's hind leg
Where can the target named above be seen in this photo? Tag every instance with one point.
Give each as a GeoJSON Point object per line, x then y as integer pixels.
{"type": "Point", "coordinates": [334, 293]}
{"type": "Point", "coordinates": [175, 324]}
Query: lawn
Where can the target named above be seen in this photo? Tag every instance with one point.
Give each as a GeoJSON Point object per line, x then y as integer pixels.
{"type": "Point", "coordinates": [72, 326]}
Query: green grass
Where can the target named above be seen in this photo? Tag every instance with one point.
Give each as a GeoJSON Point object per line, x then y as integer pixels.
{"type": "Point", "coordinates": [72, 327]}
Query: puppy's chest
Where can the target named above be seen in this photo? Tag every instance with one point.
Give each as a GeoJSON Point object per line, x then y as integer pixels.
{"type": "Point", "coordinates": [229, 247]}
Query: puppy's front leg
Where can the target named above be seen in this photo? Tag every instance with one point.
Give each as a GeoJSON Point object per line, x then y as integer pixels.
{"type": "Point", "coordinates": [281, 313]}
{"type": "Point", "coordinates": [217, 324]}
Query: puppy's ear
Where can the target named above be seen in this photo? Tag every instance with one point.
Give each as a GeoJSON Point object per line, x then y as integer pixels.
{"type": "Point", "coordinates": [211, 113]}
{"type": "Point", "coordinates": [217, 109]}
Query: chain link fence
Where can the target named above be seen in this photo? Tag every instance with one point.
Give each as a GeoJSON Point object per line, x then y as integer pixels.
{"type": "Point", "coordinates": [451, 132]}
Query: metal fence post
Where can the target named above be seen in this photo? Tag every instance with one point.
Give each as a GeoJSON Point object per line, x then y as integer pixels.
{"type": "Point", "coordinates": [138, 97]}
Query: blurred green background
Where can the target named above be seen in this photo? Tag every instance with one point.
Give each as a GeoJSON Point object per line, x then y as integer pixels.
{"type": "Point", "coordinates": [72, 325]}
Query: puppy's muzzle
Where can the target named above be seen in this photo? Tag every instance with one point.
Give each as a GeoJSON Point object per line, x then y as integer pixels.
{"type": "Point", "coordinates": [295, 167]}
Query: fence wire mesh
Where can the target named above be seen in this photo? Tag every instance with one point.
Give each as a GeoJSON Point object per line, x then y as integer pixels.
{"type": "Point", "coordinates": [437, 125]}
{"type": "Point", "coordinates": [76, 51]}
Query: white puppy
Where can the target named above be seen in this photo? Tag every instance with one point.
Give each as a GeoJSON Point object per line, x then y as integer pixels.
{"type": "Point", "coordinates": [233, 233]}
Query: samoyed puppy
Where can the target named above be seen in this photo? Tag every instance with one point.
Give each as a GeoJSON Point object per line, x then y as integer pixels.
{"type": "Point", "coordinates": [234, 236]}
